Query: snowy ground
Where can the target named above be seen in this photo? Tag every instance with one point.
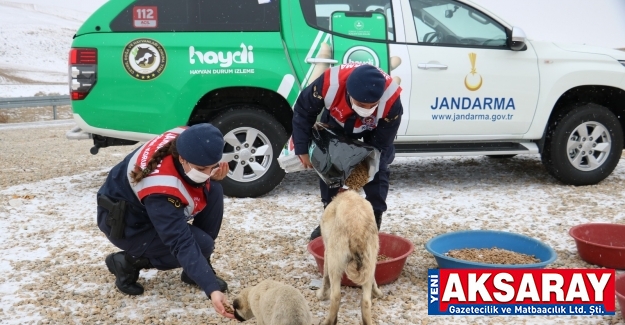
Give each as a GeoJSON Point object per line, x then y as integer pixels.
{"type": "Point", "coordinates": [51, 252]}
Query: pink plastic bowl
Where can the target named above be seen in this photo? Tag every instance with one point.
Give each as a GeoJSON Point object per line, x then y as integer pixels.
{"type": "Point", "coordinates": [396, 248]}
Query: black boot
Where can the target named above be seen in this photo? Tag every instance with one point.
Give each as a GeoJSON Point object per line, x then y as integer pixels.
{"type": "Point", "coordinates": [316, 233]}
{"type": "Point", "coordinates": [223, 286]}
{"type": "Point", "coordinates": [126, 270]}
{"type": "Point", "coordinates": [378, 218]}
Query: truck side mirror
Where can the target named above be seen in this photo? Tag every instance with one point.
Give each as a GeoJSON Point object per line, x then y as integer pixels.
{"type": "Point", "coordinates": [517, 41]}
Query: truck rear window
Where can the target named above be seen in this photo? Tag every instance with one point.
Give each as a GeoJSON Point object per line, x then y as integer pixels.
{"type": "Point", "coordinates": [199, 16]}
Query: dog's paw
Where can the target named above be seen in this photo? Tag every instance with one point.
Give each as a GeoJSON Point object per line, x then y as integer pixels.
{"type": "Point", "coordinates": [377, 293]}
{"type": "Point", "coordinates": [322, 294]}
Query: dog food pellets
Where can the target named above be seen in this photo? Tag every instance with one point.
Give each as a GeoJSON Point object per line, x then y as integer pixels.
{"type": "Point", "coordinates": [229, 309]}
{"type": "Point", "coordinates": [358, 177]}
{"type": "Point", "coordinates": [382, 258]}
{"type": "Point", "coordinates": [492, 256]}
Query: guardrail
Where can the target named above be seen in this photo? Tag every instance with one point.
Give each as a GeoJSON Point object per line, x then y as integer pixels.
{"type": "Point", "coordinates": [39, 101]}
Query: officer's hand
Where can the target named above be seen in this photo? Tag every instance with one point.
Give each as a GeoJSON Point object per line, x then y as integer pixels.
{"type": "Point", "coordinates": [220, 172]}
{"type": "Point", "coordinates": [219, 301]}
{"type": "Point", "coordinates": [305, 160]}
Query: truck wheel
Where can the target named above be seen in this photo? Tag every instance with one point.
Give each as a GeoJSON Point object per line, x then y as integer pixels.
{"type": "Point", "coordinates": [583, 145]}
{"type": "Point", "coordinates": [254, 140]}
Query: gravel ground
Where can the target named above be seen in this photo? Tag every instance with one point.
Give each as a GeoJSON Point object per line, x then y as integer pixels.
{"type": "Point", "coordinates": [39, 153]}
{"type": "Point", "coordinates": [60, 276]}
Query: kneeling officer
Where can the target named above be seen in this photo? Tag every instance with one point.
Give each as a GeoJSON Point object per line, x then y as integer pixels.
{"type": "Point", "coordinates": [148, 200]}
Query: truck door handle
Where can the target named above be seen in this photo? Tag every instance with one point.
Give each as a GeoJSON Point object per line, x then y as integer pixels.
{"type": "Point", "coordinates": [320, 60]}
{"type": "Point", "coordinates": [431, 66]}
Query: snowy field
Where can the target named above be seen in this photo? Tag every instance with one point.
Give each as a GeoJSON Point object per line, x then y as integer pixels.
{"type": "Point", "coordinates": [51, 252]}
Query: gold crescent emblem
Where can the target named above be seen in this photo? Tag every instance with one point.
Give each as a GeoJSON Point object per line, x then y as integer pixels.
{"type": "Point", "coordinates": [473, 81]}
{"type": "Point", "coordinates": [176, 203]}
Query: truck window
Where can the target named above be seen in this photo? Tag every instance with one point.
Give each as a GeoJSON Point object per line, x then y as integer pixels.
{"type": "Point", "coordinates": [198, 16]}
{"type": "Point", "coordinates": [324, 11]}
{"type": "Point", "coordinates": [449, 23]}
{"type": "Point", "coordinates": [317, 13]}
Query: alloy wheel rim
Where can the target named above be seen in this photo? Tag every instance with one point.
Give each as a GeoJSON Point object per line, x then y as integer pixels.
{"type": "Point", "coordinates": [588, 146]}
{"type": "Point", "coordinates": [249, 154]}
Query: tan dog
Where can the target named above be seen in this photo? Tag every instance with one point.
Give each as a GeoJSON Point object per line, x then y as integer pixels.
{"type": "Point", "coordinates": [272, 303]}
{"type": "Point", "coordinates": [351, 241]}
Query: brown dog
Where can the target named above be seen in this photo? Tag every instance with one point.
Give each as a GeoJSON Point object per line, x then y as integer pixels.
{"type": "Point", "coordinates": [350, 237]}
{"type": "Point", "coordinates": [272, 303]}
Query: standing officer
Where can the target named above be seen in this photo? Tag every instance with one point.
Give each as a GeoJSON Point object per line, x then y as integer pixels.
{"type": "Point", "coordinates": [148, 200]}
{"type": "Point", "coordinates": [363, 102]}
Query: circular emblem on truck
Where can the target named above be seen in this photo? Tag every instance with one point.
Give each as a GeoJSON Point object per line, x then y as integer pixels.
{"type": "Point", "coordinates": [144, 58]}
{"type": "Point", "coordinates": [361, 54]}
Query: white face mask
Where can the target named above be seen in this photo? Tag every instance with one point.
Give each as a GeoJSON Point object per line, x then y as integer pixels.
{"type": "Point", "coordinates": [364, 112]}
{"type": "Point", "coordinates": [197, 176]}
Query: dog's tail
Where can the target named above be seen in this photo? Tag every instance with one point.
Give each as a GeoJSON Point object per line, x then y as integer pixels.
{"type": "Point", "coordinates": [361, 265]}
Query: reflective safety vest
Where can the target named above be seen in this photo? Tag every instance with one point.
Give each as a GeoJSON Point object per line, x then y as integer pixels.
{"type": "Point", "coordinates": [333, 93]}
{"type": "Point", "coordinates": [165, 179]}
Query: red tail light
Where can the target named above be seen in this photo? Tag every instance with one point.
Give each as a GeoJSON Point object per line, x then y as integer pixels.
{"type": "Point", "coordinates": [83, 64]}
{"type": "Point", "coordinates": [76, 95]}
{"type": "Point", "coordinates": [83, 56]}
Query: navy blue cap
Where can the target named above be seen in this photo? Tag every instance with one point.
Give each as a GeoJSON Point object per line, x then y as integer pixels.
{"type": "Point", "coordinates": [366, 84]}
{"type": "Point", "coordinates": [201, 144]}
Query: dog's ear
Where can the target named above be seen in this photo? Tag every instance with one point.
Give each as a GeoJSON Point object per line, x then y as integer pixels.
{"type": "Point", "coordinates": [241, 305]}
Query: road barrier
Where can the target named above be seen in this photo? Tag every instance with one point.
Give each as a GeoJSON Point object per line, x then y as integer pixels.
{"type": "Point", "coordinates": [39, 101]}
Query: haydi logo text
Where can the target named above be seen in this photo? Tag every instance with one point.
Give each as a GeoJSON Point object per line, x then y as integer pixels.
{"type": "Point", "coordinates": [225, 59]}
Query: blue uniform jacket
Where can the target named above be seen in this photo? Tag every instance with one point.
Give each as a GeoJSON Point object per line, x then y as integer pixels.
{"type": "Point", "coordinates": [310, 103]}
{"type": "Point", "coordinates": [156, 213]}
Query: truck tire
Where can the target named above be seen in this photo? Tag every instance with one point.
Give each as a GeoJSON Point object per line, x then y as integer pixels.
{"type": "Point", "coordinates": [254, 140]}
{"type": "Point", "coordinates": [583, 145]}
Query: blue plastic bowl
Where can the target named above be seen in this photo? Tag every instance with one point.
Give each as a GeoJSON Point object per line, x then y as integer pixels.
{"type": "Point", "coordinates": [442, 244]}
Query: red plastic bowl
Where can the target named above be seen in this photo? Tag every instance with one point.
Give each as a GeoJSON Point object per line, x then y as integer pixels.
{"type": "Point", "coordinates": [620, 292]}
{"type": "Point", "coordinates": [396, 248]}
{"type": "Point", "coordinates": [601, 244]}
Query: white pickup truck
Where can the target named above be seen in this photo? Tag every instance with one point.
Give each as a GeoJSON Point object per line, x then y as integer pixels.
{"type": "Point", "coordinates": [472, 83]}
{"type": "Point", "coordinates": [563, 101]}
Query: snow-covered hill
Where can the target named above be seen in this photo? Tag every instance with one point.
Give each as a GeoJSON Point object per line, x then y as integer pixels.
{"type": "Point", "coordinates": [35, 37]}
